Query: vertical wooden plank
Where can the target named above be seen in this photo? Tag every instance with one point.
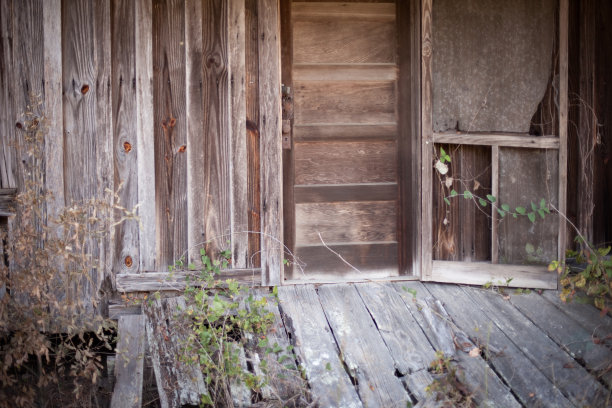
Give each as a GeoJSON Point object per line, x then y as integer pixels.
{"type": "Point", "coordinates": [169, 130]}
{"type": "Point", "coordinates": [86, 80]}
{"type": "Point", "coordinates": [28, 44]}
{"type": "Point", "coordinates": [54, 140]}
{"type": "Point", "coordinates": [145, 133]}
{"type": "Point", "coordinates": [129, 365]}
{"type": "Point", "coordinates": [125, 145]}
{"type": "Point", "coordinates": [239, 199]}
{"type": "Point", "coordinates": [217, 143]}
{"type": "Point", "coordinates": [494, 193]}
{"type": "Point", "coordinates": [287, 117]}
{"type": "Point", "coordinates": [196, 177]}
{"type": "Point", "coordinates": [103, 135]}
{"type": "Point", "coordinates": [7, 115]}
{"type": "Point", "coordinates": [426, 140]}
{"type": "Point", "coordinates": [408, 38]}
{"type": "Point", "coordinates": [270, 142]}
{"type": "Point", "coordinates": [252, 129]}
{"type": "Point", "coordinates": [563, 105]}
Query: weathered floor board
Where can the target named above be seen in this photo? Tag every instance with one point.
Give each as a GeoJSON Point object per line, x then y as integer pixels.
{"type": "Point", "coordinates": [486, 387]}
{"type": "Point", "coordinates": [362, 347]}
{"type": "Point", "coordinates": [529, 384]}
{"type": "Point", "coordinates": [567, 333]}
{"type": "Point", "coordinates": [372, 344]}
{"type": "Point", "coordinates": [316, 348]}
{"type": "Point", "coordinates": [178, 383]}
{"type": "Point", "coordinates": [558, 366]}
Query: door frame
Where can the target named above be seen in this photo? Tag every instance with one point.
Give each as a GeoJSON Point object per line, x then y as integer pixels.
{"type": "Point", "coordinates": [408, 137]}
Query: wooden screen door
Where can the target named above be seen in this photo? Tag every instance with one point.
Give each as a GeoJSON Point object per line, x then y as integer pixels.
{"type": "Point", "coordinates": [340, 135]}
{"type": "Point", "coordinates": [464, 239]}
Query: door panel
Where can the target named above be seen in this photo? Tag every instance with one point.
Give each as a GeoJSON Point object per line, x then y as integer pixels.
{"type": "Point", "coordinates": [344, 155]}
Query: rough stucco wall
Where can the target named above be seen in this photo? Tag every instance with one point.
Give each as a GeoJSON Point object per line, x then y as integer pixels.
{"type": "Point", "coordinates": [492, 61]}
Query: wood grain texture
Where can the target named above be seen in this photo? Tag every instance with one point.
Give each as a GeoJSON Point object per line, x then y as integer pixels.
{"type": "Point", "coordinates": [270, 143]}
{"type": "Point", "coordinates": [479, 273]}
{"type": "Point", "coordinates": [316, 347]}
{"type": "Point", "coordinates": [195, 114]}
{"type": "Point", "coordinates": [519, 187]}
{"type": "Point", "coordinates": [54, 138]}
{"type": "Point", "coordinates": [500, 139]}
{"type": "Point", "coordinates": [170, 130]}
{"type": "Point", "coordinates": [178, 383]}
{"type": "Point", "coordinates": [573, 381]}
{"type": "Point", "coordinates": [347, 131]}
{"type": "Point", "coordinates": [345, 162]}
{"type": "Point", "coordinates": [563, 123]}
{"type": "Point", "coordinates": [359, 261]}
{"type": "Point", "coordinates": [286, 9]}
{"type": "Point", "coordinates": [129, 364]}
{"type": "Point", "coordinates": [426, 239]}
{"type": "Point", "coordinates": [7, 115]}
{"type": "Point", "coordinates": [28, 76]}
{"type": "Point", "coordinates": [7, 201]}
{"type": "Point", "coordinates": [494, 214]}
{"type": "Point", "coordinates": [252, 130]}
{"type": "Point", "coordinates": [531, 387]}
{"type": "Point", "coordinates": [217, 143]}
{"type": "Point", "coordinates": [125, 145]}
{"type": "Point", "coordinates": [408, 344]}
{"type": "Point", "coordinates": [344, 102]}
{"type": "Point", "coordinates": [345, 222]}
{"type": "Point", "coordinates": [86, 82]}
{"type": "Point", "coordinates": [461, 229]}
{"type": "Point", "coordinates": [239, 161]}
{"type": "Point", "coordinates": [356, 40]}
{"type": "Point", "coordinates": [474, 372]}
{"type": "Point", "coordinates": [344, 72]}
{"type": "Point", "coordinates": [362, 10]}
{"type": "Point", "coordinates": [365, 354]}
{"type": "Point", "coordinates": [409, 135]}
{"type": "Point", "coordinates": [567, 332]}
{"type": "Point", "coordinates": [156, 281]}
{"type": "Point", "coordinates": [346, 192]}
{"type": "Point", "coordinates": [145, 133]}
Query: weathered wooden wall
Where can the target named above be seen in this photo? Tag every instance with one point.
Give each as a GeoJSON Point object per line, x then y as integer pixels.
{"type": "Point", "coordinates": [163, 101]}
{"type": "Point", "coordinates": [590, 119]}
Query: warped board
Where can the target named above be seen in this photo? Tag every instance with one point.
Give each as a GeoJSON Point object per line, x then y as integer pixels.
{"type": "Point", "coordinates": [476, 373]}
{"type": "Point", "coordinates": [364, 351]}
{"type": "Point", "coordinates": [129, 364]}
{"type": "Point", "coordinates": [532, 387]}
{"type": "Point", "coordinates": [316, 347]}
{"type": "Point", "coordinates": [558, 366]}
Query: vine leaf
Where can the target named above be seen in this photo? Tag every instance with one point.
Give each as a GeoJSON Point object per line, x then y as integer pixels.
{"type": "Point", "coordinates": [491, 198]}
{"type": "Point", "coordinates": [531, 216]}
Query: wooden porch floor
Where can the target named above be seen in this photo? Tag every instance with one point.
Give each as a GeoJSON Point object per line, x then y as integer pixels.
{"type": "Point", "coordinates": [371, 344]}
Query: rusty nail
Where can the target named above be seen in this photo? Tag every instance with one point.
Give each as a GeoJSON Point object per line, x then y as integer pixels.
{"type": "Point", "coordinates": [84, 89]}
{"type": "Point", "coordinates": [127, 147]}
{"type": "Point", "coordinates": [128, 261]}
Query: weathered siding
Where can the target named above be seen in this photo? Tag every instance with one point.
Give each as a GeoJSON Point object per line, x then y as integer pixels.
{"type": "Point", "coordinates": [153, 99]}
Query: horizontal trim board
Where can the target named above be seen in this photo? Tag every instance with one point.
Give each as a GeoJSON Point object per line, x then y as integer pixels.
{"type": "Point", "coordinates": [363, 10]}
{"type": "Point", "coordinates": [345, 72]}
{"type": "Point", "coordinates": [345, 192]}
{"type": "Point", "coordinates": [344, 131]}
{"type": "Point", "coordinates": [7, 201]}
{"type": "Point", "coordinates": [498, 139]}
{"type": "Point", "coordinates": [167, 281]}
{"type": "Point", "coordinates": [479, 273]}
